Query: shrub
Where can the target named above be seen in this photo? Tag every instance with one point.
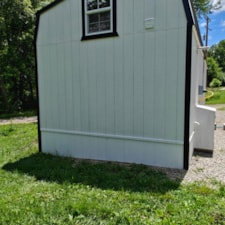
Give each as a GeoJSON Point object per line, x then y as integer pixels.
{"type": "Point", "coordinates": [215, 83]}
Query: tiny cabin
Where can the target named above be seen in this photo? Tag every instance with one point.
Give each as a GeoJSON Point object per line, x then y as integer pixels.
{"type": "Point", "coordinates": [122, 80]}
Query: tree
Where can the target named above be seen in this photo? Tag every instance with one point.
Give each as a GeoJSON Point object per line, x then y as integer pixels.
{"type": "Point", "coordinates": [218, 53]}
{"type": "Point", "coordinates": [17, 64]}
{"type": "Point", "coordinates": [202, 7]}
{"type": "Point", "coordinates": [214, 71]}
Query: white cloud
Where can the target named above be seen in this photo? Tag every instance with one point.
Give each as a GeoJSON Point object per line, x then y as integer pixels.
{"type": "Point", "coordinates": [223, 23]}
{"type": "Point", "coordinates": [203, 24]}
{"type": "Point", "coordinates": [219, 5]}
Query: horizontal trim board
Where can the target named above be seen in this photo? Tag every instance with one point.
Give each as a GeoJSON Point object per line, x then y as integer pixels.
{"type": "Point", "coordinates": [112, 136]}
{"type": "Point", "coordinates": [102, 35]}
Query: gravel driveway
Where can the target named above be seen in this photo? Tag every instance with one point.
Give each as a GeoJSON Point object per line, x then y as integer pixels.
{"type": "Point", "coordinates": [205, 166]}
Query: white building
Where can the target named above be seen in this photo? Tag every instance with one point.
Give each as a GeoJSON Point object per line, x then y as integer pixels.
{"type": "Point", "coordinates": [121, 80]}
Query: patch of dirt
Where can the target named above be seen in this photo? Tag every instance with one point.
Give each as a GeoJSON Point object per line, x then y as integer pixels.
{"type": "Point", "coordinates": [19, 120]}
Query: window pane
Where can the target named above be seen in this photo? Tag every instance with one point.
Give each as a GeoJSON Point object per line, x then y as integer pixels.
{"type": "Point", "coordinates": [92, 4]}
{"type": "Point", "coordinates": [99, 22]}
{"type": "Point", "coordinates": [104, 3]}
{"type": "Point", "coordinates": [105, 16]}
{"type": "Point", "coordinates": [104, 25]}
{"type": "Point", "coordinates": [93, 23]}
{"type": "Point", "coordinates": [94, 18]}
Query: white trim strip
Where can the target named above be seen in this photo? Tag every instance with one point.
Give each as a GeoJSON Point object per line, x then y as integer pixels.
{"type": "Point", "coordinates": [112, 136]}
{"type": "Point", "coordinates": [191, 136]}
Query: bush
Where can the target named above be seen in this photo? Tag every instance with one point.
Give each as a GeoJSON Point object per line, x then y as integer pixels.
{"type": "Point", "coordinates": [215, 83]}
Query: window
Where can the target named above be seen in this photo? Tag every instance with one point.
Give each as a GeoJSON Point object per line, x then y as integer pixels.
{"type": "Point", "coordinates": [99, 18]}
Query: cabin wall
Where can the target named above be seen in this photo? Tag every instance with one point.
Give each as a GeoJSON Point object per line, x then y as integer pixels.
{"type": "Point", "coordinates": [202, 118]}
{"type": "Point", "coordinates": [196, 72]}
{"type": "Point", "coordinates": [119, 98]}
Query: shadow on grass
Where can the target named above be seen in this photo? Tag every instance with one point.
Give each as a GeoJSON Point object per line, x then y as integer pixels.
{"type": "Point", "coordinates": [103, 175]}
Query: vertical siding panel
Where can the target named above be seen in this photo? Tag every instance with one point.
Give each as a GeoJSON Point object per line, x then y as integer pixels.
{"type": "Point", "coordinates": [61, 113]}
{"type": "Point", "coordinates": [149, 74]}
{"type": "Point", "coordinates": [161, 14]}
{"type": "Point", "coordinates": [181, 45]}
{"type": "Point", "coordinates": [119, 84]}
{"type": "Point", "coordinates": [51, 80]}
{"type": "Point", "coordinates": [53, 95]}
{"type": "Point", "coordinates": [66, 21]}
{"type": "Point", "coordinates": [120, 17]}
{"type": "Point", "coordinates": [101, 88]}
{"type": "Point", "coordinates": [76, 82]}
{"type": "Point", "coordinates": [84, 89]}
{"type": "Point", "coordinates": [58, 23]}
{"type": "Point", "coordinates": [69, 87]}
{"type": "Point", "coordinates": [76, 22]}
{"type": "Point", "coordinates": [109, 74]}
{"type": "Point", "coordinates": [91, 64]}
{"type": "Point", "coordinates": [128, 16]}
{"type": "Point", "coordinates": [171, 83]}
{"type": "Point", "coordinates": [43, 31]}
{"type": "Point", "coordinates": [42, 68]}
{"type": "Point", "coordinates": [181, 83]}
{"type": "Point", "coordinates": [138, 85]}
{"type": "Point", "coordinates": [172, 14]}
{"type": "Point", "coordinates": [52, 27]}
{"type": "Point", "coordinates": [138, 16]}
{"type": "Point", "coordinates": [149, 9]}
{"type": "Point", "coordinates": [128, 84]}
{"type": "Point", "coordinates": [159, 88]}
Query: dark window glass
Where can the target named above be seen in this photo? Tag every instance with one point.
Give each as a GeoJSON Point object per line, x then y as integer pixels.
{"type": "Point", "coordinates": [104, 3]}
{"type": "Point", "coordinates": [96, 4]}
{"type": "Point", "coordinates": [92, 4]}
{"type": "Point", "coordinates": [99, 22]}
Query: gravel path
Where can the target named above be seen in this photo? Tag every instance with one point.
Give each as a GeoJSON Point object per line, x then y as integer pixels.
{"type": "Point", "coordinates": [203, 167]}
{"type": "Point", "coordinates": [210, 166]}
{"type": "Point", "coordinates": [19, 120]}
{"type": "Point", "coordinates": [206, 167]}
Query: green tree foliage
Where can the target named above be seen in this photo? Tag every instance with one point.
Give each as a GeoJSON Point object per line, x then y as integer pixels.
{"type": "Point", "coordinates": [214, 71]}
{"type": "Point", "coordinates": [215, 83]}
{"type": "Point", "coordinates": [216, 62]}
{"type": "Point", "coordinates": [16, 59]}
{"type": "Point", "coordinates": [218, 53]}
{"type": "Point", "coordinates": [202, 7]}
{"type": "Point", "coordinates": [17, 64]}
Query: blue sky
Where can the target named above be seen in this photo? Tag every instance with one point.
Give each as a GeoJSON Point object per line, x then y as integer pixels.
{"type": "Point", "coordinates": [216, 25]}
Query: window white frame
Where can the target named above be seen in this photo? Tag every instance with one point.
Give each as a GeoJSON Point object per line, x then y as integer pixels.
{"type": "Point", "coordinates": [111, 9]}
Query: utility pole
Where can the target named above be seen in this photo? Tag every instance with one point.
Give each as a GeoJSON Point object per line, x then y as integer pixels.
{"type": "Point", "coordinates": [207, 31]}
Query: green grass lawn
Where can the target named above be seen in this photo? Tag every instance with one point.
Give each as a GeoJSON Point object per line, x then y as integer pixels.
{"type": "Point", "coordinates": [36, 188]}
{"type": "Point", "coordinates": [217, 98]}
